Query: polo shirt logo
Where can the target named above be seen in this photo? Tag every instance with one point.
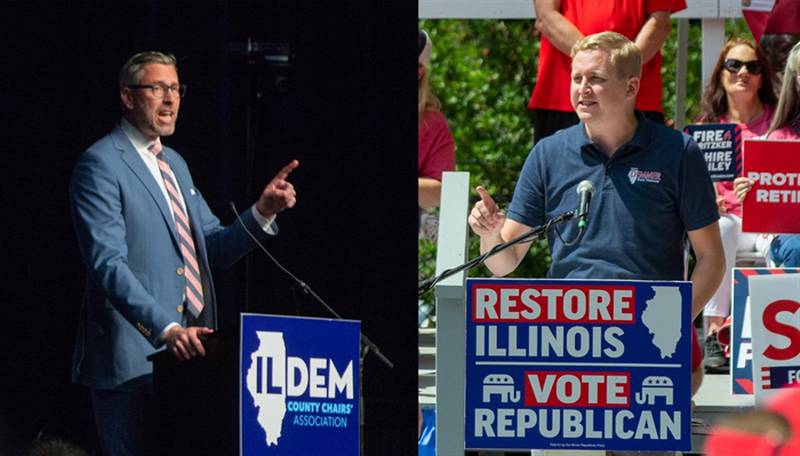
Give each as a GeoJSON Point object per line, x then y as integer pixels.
{"type": "Point", "coordinates": [636, 175]}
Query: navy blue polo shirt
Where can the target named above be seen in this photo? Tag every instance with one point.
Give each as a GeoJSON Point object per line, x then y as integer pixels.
{"type": "Point", "coordinates": [650, 192]}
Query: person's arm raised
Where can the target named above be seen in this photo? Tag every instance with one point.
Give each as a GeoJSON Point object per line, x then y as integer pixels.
{"type": "Point", "coordinates": [490, 223]}
{"type": "Point", "coordinates": [279, 193]}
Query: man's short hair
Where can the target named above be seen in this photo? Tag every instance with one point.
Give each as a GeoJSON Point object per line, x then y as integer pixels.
{"type": "Point", "coordinates": [130, 72]}
{"type": "Point", "coordinates": [624, 56]}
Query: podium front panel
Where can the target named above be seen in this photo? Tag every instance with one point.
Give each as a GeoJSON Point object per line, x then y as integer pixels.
{"type": "Point", "coordinates": [299, 386]}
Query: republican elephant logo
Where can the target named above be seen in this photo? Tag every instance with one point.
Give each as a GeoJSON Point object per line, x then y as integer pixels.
{"type": "Point", "coordinates": [655, 386]}
{"type": "Point", "coordinates": [501, 385]}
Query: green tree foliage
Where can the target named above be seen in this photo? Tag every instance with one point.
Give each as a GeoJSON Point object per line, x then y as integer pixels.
{"type": "Point", "coordinates": [484, 71]}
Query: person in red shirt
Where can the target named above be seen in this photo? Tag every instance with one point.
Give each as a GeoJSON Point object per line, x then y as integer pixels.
{"type": "Point", "coordinates": [436, 151]}
{"type": "Point", "coordinates": [564, 22]}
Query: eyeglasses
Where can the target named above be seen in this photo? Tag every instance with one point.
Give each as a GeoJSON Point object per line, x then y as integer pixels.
{"type": "Point", "coordinates": [160, 90]}
{"type": "Point", "coordinates": [734, 65]}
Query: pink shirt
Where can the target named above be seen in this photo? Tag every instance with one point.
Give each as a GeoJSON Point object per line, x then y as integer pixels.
{"type": "Point", "coordinates": [757, 127]}
{"type": "Point", "coordinates": [787, 132]}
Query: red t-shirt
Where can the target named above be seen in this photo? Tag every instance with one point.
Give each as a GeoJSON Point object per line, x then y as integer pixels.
{"type": "Point", "coordinates": [436, 151]}
{"type": "Point", "coordinates": [551, 90]}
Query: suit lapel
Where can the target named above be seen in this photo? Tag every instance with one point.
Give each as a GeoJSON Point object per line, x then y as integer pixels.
{"type": "Point", "coordinates": [137, 166]}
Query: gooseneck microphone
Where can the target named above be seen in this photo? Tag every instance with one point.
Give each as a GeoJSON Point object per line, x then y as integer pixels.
{"type": "Point", "coordinates": [586, 191]}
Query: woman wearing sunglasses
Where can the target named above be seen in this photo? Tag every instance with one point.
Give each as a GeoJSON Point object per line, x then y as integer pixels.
{"type": "Point", "coordinates": [739, 91]}
{"type": "Point", "coordinates": [784, 250]}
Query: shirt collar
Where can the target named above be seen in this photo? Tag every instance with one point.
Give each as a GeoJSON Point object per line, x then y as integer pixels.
{"type": "Point", "coordinates": [642, 135]}
{"type": "Point", "coordinates": [640, 139]}
{"type": "Point", "coordinates": [137, 139]}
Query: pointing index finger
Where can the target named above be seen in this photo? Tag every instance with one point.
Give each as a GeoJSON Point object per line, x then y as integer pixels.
{"type": "Point", "coordinates": [487, 199]}
{"type": "Point", "coordinates": [284, 173]}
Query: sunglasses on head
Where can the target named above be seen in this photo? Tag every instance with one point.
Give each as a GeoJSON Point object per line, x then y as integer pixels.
{"type": "Point", "coordinates": [734, 65]}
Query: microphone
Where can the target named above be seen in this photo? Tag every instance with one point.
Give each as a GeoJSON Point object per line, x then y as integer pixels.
{"type": "Point", "coordinates": [585, 190]}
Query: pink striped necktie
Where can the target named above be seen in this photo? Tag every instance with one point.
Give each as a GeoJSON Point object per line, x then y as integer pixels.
{"type": "Point", "coordinates": [194, 289]}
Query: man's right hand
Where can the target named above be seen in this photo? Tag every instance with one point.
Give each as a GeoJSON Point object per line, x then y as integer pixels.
{"type": "Point", "coordinates": [486, 219]}
{"type": "Point", "coordinates": [186, 343]}
{"type": "Point", "coordinates": [279, 194]}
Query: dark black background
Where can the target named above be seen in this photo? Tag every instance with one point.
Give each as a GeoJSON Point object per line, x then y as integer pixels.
{"type": "Point", "coordinates": [345, 109]}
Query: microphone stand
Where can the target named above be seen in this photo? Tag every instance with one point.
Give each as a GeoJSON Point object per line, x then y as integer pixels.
{"type": "Point", "coordinates": [534, 233]}
{"type": "Point", "coordinates": [367, 345]}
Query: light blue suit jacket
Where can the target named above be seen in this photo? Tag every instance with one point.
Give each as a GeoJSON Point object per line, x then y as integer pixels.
{"type": "Point", "coordinates": [127, 239]}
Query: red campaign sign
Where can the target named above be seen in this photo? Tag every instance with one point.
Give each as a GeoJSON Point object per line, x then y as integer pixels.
{"type": "Point", "coordinates": [772, 204]}
{"type": "Point", "coordinates": [508, 302]}
{"type": "Point", "coordinates": [577, 389]}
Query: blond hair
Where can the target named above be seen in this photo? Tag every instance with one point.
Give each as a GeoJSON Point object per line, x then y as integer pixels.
{"type": "Point", "coordinates": [426, 99]}
{"type": "Point", "coordinates": [788, 109]}
{"type": "Point", "coordinates": [624, 56]}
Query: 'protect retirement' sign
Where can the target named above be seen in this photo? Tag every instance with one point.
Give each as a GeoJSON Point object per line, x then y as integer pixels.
{"type": "Point", "coordinates": [567, 364]}
{"type": "Point", "coordinates": [772, 204]}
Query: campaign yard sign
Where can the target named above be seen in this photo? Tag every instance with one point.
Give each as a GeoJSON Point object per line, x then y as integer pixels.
{"type": "Point", "coordinates": [298, 386]}
{"type": "Point", "coordinates": [741, 333]}
{"type": "Point", "coordinates": [721, 145]}
{"type": "Point", "coordinates": [578, 364]}
{"type": "Point", "coordinates": [772, 204]}
{"type": "Point", "coordinates": [776, 332]}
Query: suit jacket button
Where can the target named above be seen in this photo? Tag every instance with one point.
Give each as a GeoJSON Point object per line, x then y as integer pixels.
{"type": "Point", "coordinates": [179, 308]}
{"type": "Point", "coordinates": [179, 271]}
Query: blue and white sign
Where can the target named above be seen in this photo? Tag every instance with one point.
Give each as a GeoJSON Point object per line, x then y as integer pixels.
{"type": "Point", "coordinates": [299, 386]}
{"type": "Point", "coordinates": [578, 364]}
{"type": "Point", "coordinates": [721, 145]}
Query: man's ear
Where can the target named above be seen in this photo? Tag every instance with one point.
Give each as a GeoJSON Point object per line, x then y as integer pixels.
{"type": "Point", "coordinates": [126, 95]}
{"type": "Point", "coordinates": [420, 71]}
{"type": "Point", "coordinates": [633, 87]}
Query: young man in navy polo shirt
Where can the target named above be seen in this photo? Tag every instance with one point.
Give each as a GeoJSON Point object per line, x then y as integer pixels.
{"type": "Point", "coordinates": [652, 187]}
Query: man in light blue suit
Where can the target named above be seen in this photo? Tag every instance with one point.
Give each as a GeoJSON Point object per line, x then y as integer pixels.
{"type": "Point", "coordinates": [148, 240]}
